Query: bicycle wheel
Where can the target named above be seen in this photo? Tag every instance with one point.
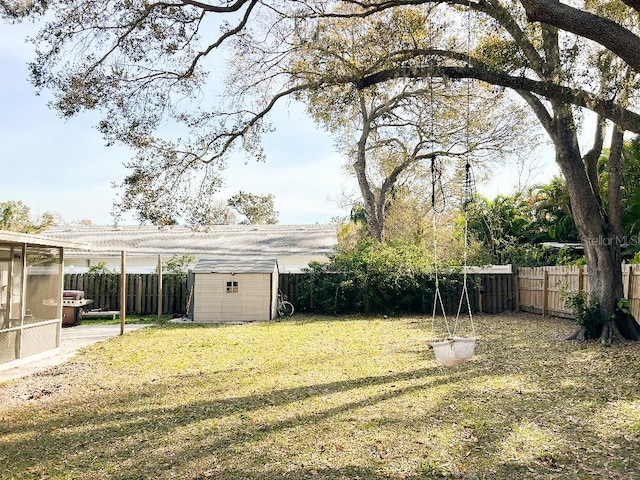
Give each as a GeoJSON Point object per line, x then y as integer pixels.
{"type": "Point", "coordinates": [287, 309]}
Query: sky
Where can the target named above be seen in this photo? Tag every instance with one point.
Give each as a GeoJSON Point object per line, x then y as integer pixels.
{"type": "Point", "coordinates": [62, 166]}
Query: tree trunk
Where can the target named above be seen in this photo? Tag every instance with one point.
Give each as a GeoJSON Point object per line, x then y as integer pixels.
{"type": "Point", "coordinates": [601, 243]}
{"type": "Point", "coordinates": [375, 224]}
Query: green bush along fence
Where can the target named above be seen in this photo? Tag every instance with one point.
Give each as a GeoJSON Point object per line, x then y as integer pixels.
{"type": "Point", "coordinates": [329, 293]}
{"type": "Point", "coordinates": [340, 293]}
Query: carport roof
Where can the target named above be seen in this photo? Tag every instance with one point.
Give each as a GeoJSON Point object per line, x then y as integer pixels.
{"type": "Point", "coordinates": [40, 240]}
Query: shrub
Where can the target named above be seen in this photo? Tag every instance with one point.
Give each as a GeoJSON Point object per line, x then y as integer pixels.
{"type": "Point", "coordinates": [375, 277]}
{"type": "Point", "coordinates": [586, 312]}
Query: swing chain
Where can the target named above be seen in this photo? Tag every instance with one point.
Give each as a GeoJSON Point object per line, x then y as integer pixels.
{"type": "Point", "coordinates": [438, 200]}
{"type": "Point", "coordinates": [469, 190]}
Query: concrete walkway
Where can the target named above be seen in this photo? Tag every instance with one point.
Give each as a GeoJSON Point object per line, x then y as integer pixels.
{"type": "Point", "coordinates": [72, 340]}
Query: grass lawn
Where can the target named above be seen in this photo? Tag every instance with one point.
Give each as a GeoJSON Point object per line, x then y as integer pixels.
{"type": "Point", "coordinates": [327, 398]}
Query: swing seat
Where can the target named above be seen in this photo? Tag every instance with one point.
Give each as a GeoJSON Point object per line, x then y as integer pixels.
{"type": "Point", "coordinates": [454, 350]}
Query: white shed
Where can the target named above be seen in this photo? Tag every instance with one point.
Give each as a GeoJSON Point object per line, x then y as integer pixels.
{"type": "Point", "coordinates": [234, 290]}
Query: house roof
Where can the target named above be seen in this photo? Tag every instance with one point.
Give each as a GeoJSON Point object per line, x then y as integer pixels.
{"type": "Point", "coordinates": [235, 265]}
{"type": "Point", "coordinates": [568, 245]}
{"type": "Point", "coordinates": [216, 241]}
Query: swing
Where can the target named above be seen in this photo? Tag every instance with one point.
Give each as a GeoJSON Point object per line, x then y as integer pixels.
{"type": "Point", "coordinates": [454, 350]}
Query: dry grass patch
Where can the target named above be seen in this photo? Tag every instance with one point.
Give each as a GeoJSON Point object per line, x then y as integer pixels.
{"type": "Point", "coordinates": [323, 398]}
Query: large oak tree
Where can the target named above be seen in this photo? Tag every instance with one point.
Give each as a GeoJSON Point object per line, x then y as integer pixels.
{"type": "Point", "coordinates": [143, 62]}
{"type": "Point", "coordinates": [391, 131]}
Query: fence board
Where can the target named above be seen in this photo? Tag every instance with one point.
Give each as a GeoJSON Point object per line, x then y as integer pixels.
{"type": "Point", "coordinates": [530, 282]}
{"type": "Point", "coordinates": [632, 291]}
{"type": "Point", "coordinates": [536, 295]}
{"type": "Point", "coordinates": [141, 292]}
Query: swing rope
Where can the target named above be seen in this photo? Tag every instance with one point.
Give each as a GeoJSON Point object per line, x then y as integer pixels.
{"type": "Point", "coordinates": [438, 200]}
{"type": "Point", "coordinates": [467, 200]}
{"type": "Point", "coordinates": [456, 350]}
{"type": "Point", "coordinates": [436, 185]}
{"type": "Point", "coordinates": [468, 191]}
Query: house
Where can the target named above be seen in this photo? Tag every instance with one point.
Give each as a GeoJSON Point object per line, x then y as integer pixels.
{"type": "Point", "coordinates": [234, 290]}
{"type": "Point", "coordinates": [31, 275]}
{"type": "Point", "coordinates": [293, 246]}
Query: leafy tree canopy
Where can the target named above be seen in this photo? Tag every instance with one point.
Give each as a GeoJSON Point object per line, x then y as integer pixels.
{"type": "Point", "coordinates": [179, 264]}
{"type": "Point", "coordinates": [15, 216]}
{"type": "Point", "coordinates": [156, 70]}
{"type": "Point", "coordinates": [257, 209]}
{"type": "Point", "coordinates": [147, 66]}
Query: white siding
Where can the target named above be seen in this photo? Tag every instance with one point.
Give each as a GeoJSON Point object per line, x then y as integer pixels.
{"type": "Point", "coordinates": [253, 301]}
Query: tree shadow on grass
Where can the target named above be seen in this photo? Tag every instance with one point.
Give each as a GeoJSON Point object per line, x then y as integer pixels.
{"type": "Point", "coordinates": [138, 434]}
{"type": "Point", "coordinates": [492, 400]}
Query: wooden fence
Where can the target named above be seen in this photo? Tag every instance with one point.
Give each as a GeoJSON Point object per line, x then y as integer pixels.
{"type": "Point", "coordinates": [141, 295]}
{"type": "Point", "coordinates": [540, 290]}
{"type": "Point", "coordinates": [488, 293]}
{"type": "Point", "coordinates": [543, 289]}
{"type": "Point", "coordinates": [496, 293]}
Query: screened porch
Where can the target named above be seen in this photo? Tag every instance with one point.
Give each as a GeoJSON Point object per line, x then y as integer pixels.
{"type": "Point", "coordinates": [31, 280]}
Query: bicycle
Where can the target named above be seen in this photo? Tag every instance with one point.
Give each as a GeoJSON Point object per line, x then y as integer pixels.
{"type": "Point", "coordinates": [284, 309]}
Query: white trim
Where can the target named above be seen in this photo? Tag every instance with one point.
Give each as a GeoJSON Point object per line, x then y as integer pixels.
{"type": "Point", "coordinates": [32, 358]}
{"type": "Point", "coordinates": [490, 269]}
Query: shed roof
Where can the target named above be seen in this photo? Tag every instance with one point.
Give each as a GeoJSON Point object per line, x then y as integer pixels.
{"type": "Point", "coordinates": [235, 265]}
{"type": "Point", "coordinates": [216, 241]}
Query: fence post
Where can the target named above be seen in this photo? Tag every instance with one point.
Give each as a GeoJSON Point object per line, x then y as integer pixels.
{"type": "Point", "coordinates": [580, 279]}
{"type": "Point", "coordinates": [478, 284]}
{"type": "Point", "coordinates": [516, 291]}
{"type": "Point", "coordinates": [123, 290]}
{"type": "Point", "coordinates": [629, 282]}
{"type": "Point", "coordinates": [159, 287]}
{"type": "Point", "coordinates": [545, 293]}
